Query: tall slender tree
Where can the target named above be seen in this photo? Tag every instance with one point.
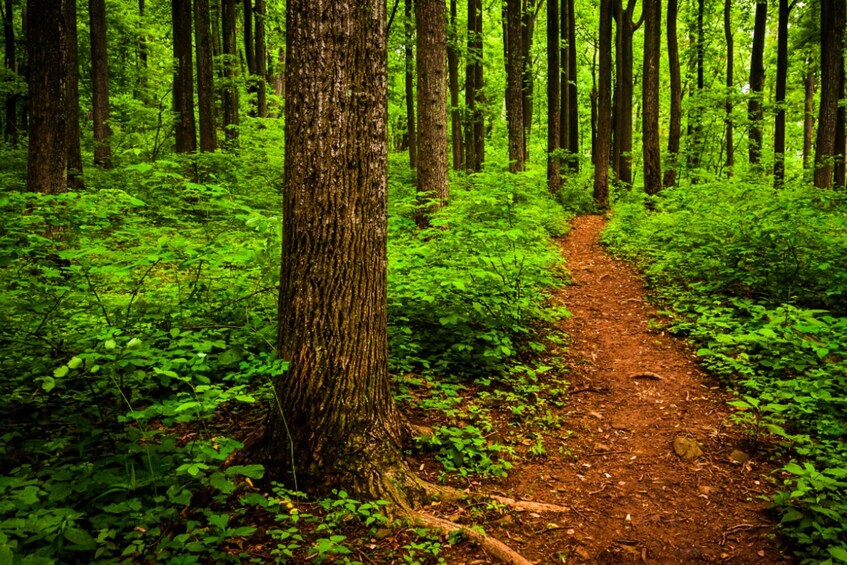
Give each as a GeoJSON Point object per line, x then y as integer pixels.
{"type": "Point", "coordinates": [514, 84]}
{"type": "Point", "coordinates": [554, 181]}
{"type": "Point", "coordinates": [185, 129]}
{"type": "Point", "coordinates": [10, 59]}
{"type": "Point", "coordinates": [475, 128]}
{"type": "Point", "coordinates": [604, 108]}
{"type": "Point", "coordinates": [675, 127]}
{"type": "Point", "coordinates": [650, 96]}
{"type": "Point", "coordinates": [453, 72]}
{"type": "Point", "coordinates": [808, 111]}
{"type": "Point", "coordinates": [781, 79]}
{"type": "Point", "coordinates": [622, 148]}
{"type": "Point", "coordinates": [573, 92]}
{"type": "Point", "coordinates": [259, 13]}
{"type": "Point", "coordinates": [433, 172]}
{"type": "Point", "coordinates": [408, 48]}
{"type": "Point", "coordinates": [100, 83]}
{"type": "Point", "coordinates": [71, 84]}
{"type": "Point", "coordinates": [730, 67]}
{"type": "Point", "coordinates": [832, 44]}
{"type": "Point", "coordinates": [205, 76]}
{"type": "Point", "coordinates": [755, 113]}
{"type": "Point", "coordinates": [229, 87]}
{"type": "Point", "coordinates": [529, 16]}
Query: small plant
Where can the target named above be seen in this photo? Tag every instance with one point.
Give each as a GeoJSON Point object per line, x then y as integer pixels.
{"type": "Point", "coordinates": [465, 450]}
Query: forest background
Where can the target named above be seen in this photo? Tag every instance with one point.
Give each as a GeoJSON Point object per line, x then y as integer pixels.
{"type": "Point", "coordinates": [142, 173]}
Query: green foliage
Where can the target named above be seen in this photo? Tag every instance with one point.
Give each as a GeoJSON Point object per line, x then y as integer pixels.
{"type": "Point", "coordinates": [465, 450]}
{"type": "Point", "coordinates": [757, 278]}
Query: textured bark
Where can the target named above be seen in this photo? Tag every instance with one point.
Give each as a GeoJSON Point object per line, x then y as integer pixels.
{"type": "Point", "coordinates": [573, 93]}
{"type": "Point", "coordinates": [781, 78]}
{"type": "Point", "coordinates": [622, 149]}
{"type": "Point", "coordinates": [675, 128]}
{"type": "Point", "coordinates": [840, 172]}
{"type": "Point", "coordinates": [514, 85]}
{"type": "Point", "coordinates": [141, 84]}
{"type": "Point", "coordinates": [453, 71]}
{"type": "Point", "coordinates": [650, 96]}
{"type": "Point", "coordinates": [529, 15]}
{"type": "Point", "coordinates": [730, 65]}
{"type": "Point", "coordinates": [261, 60]}
{"type": "Point", "coordinates": [337, 425]}
{"type": "Point", "coordinates": [185, 129]}
{"type": "Point", "coordinates": [565, 75]}
{"type": "Point", "coordinates": [433, 167]}
{"type": "Point", "coordinates": [411, 127]}
{"type": "Point", "coordinates": [10, 129]}
{"type": "Point", "coordinates": [48, 64]}
{"type": "Point", "coordinates": [205, 76]}
{"type": "Point", "coordinates": [832, 30]}
{"type": "Point", "coordinates": [757, 81]}
{"type": "Point", "coordinates": [100, 83]}
{"type": "Point", "coordinates": [229, 88]}
{"type": "Point", "coordinates": [808, 113]}
{"type": "Point", "coordinates": [71, 83]}
{"type": "Point", "coordinates": [604, 109]}
{"type": "Point", "coordinates": [695, 118]}
{"type": "Point", "coordinates": [475, 129]}
{"type": "Point", "coordinates": [249, 46]}
{"type": "Point", "coordinates": [554, 181]}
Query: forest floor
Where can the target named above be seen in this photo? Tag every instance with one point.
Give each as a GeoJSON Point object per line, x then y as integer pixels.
{"type": "Point", "coordinates": [649, 468]}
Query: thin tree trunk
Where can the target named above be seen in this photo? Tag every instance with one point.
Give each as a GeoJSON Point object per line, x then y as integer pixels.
{"type": "Point", "coordinates": [675, 129]}
{"type": "Point", "coordinates": [604, 109]}
{"type": "Point", "coordinates": [453, 71]}
{"type": "Point", "coordinates": [650, 96]}
{"type": "Point", "coordinates": [696, 143]}
{"type": "Point", "coordinates": [75, 170]}
{"type": "Point", "coordinates": [622, 155]}
{"type": "Point", "coordinates": [411, 127]}
{"type": "Point", "coordinates": [565, 75]}
{"type": "Point", "coordinates": [808, 113]}
{"type": "Point", "coordinates": [11, 61]}
{"type": "Point", "coordinates": [433, 171]}
{"type": "Point", "coordinates": [249, 46]}
{"type": "Point", "coordinates": [205, 80]}
{"type": "Point", "coordinates": [840, 172]}
{"type": "Point", "coordinates": [755, 113]}
{"type": "Point", "coordinates": [100, 83]}
{"type": "Point", "coordinates": [781, 79]}
{"type": "Point", "coordinates": [475, 131]}
{"type": "Point", "coordinates": [141, 86]}
{"type": "Point", "coordinates": [554, 181]}
{"type": "Point", "coordinates": [230, 88]}
{"type": "Point", "coordinates": [514, 85]}
{"type": "Point", "coordinates": [184, 127]}
{"type": "Point", "coordinates": [573, 92]}
{"type": "Point", "coordinates": [730, 67]}
{"type": "Point", "coordinates": [261, 60]}
{"type": "Point", "coordinates": [529, 15]}
{"type": "Point", "coordinates": [832, 30]}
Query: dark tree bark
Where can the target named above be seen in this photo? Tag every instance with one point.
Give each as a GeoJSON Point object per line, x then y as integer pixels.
{"type": "Point", "coordinates": [529, 15]}
{"type": "Point", "coordinates": [781, 79]}
{"type": "Point", "coordinates": [261, 60]}
{"type": "Point", "coordinates": [554, 181]}
{"type": "Point", "coordinates": [71, 82]}
{"type": "Point", "coordinates": [205, 76]}
{"type": "Point", "coordinates": [433, 170]}
{"type": "Point", "coordinates": [47, 53]}
{"type": "Point", "coordinates": [514, 85]}
{"type": "Point", "coordinates": [141, 86]}
{"type": "Point", "coordinates": [229, 87]}
{"type": "Point", "coordinates": [730, 65]}
{"type": "Point", "coordinates": [411, 127]}
{"type": "Point", "coordinates": [337, 425]}
{"type": "Point", "coordinates": [695, 117]}
{"type": "Point", "coordinates": [757, 81]}
{"type": "Point", "coordinates": [622, 149]}
{"type": "Point", "coordinates": [840, 172]}
{"type": "Point", "coordinates": [11, 62]}
{"type": "Point", "coordinates": [573, 93]}
{"type": "Point", "coordinates": [185, 129]}
{"type": "Point", "coordinates": [604, 109]}
{"type": "Point", "coordinates": [675, 129]}
{"type": "Point", "coordinates": [832, 44]}
{"type": "Point", "coordinates": [100, 83]}
{"type": "Point", "coordinates": [475, 131]}
{"type": "Point", "coordinates": [808, 113]}
{"type": "Point", "coordinates": [650, 96]}
{"type": "Point", "coordinates": [249, 46]}
{"type": "Point", "coordinates": [453, 72]}
{"type": "Point", "coordinates": [565, 48]}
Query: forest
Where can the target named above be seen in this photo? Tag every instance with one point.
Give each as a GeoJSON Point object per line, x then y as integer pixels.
{"type": "Point", "coordinates": [423, 281]}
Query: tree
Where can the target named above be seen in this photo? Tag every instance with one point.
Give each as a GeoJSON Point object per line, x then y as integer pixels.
{"type": "Point", "coordinates": [570, 130]}
{"type": "Point", "coordinates": [650, 96]}
{"type": "Point", "coordinates": [71, 84]}
{"type": "Point", "coordinates": [11, 62]}
{"type": "Point", "coordinates": [261, 60]}
{"type": "Point", "coordinates": [47, 53]}
{"type": "Point", "coordinates": [514, 84]}
{"type": "Point", "coordinates": [433, 171]}
{"type": "Point", "coordinates": [185, 130]}
{"type": "Point", "coordinates": [675, 128]}
{"type": "Point", "coordinates": [529, 15]}
{"type": "Point", "coordinates": [730, 64]}
{"type": "Point", "coordinates": [475, 128]}
{"type": "Point", "coordinates": [832, 31]}
{"type": "Point", "coordinates": [757, 81]}
{"type": "Point", "coordinates": [336, 425]}
{"type": "Point", "coordinates": [781, 78]}
{"type": "Point", "coordinates": [622, 149]}
{"type": "Point", "coordinates": [100, 83]}
{"type": "Point", "coordinates": [554, 181]}
{"type": "Point", "coordinates": [604, 108]}
{"type": "Point", "coordinates": [453, 72]}
{"type": "Point", "coordinates": [205, 80]}
{"type": "Point", "coordinates": [230, 88]}
{"type": "Point", "coordinates": [808, 112]}
{"type": "Point", "coordinates": [411, 128]}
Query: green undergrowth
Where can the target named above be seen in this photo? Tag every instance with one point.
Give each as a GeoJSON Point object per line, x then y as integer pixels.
{"type": "Point", "coordinates": [758, 279]}
{"type": "Point", "coordinates": [137, 323]}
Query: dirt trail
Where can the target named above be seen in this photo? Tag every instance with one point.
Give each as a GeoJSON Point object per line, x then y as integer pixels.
{"type": "Point", "coordinates": [634, 391]}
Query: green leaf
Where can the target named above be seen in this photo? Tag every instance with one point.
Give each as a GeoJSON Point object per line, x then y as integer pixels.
{"type": "Point", "coordinates": [60, 372]}
{"type": "Point", "coordinates": [134, 343]}
{"type": "Point", "coordinates": [839, 552]}
{"type": "Point", "coordinates": [74, 363]}
{"type": "Point", "coordinates": [80, 538]}
{"type": "Point", "coordinates": [48, 384]}
{"type": "Point", "coordinates": [251, 471]}
{"type": "Point", "coordinates": [110, 344]}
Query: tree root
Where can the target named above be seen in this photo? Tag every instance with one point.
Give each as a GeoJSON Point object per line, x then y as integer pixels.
{"type": "Point", "coordinates": [492, 546]}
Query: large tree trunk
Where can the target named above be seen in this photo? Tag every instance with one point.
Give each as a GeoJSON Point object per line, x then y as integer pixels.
{"type": "Point", "coordinates": [47, 53]}
{"type": "Point", "coordinates": [840, 172]}
{"type": "Point", "coordinates": [185, 130]}
{"type": "Point", "coordinates": [554, 181]}
{"type": "Point", "coordinates": [337, 425]}
{"type": "Point", "coordinates": [622, 152]}
{"type": "Point", "coordinates": [696, 143]}
{"type": "Point", "coordinates": [832, 44]}
{"type": "Point", "coordinates": [650, 96]}
{"type": "Point", "coordinates": [808, 113]}
{"type": "Point", "coordinates": [730, 65]}
{"type": "Point", "coordinates": [514, 85]}
{"type": "Point", "coordinates": [757, 81]}
{"type": "Point", "coordinates": [529, 15]}
{"type": "Point", "coordinates": [433, 171]}
{"type": "Point", "coordinates": [205, 76]}
{"type": "Point", "coordinates": [781, 79]}
{"type": "Point", "coordinates": [71, 83]}
{"type": "Point", "coordinates": [475, 131]}
{"type": "Point", "coordinates": [261, 60]}
{"type": "Point", "coordinates": [411, 127]}
{"type": "Point", "coordinates": [11, 62]}
{"type": "Point", "coordinates": [453, 71]}
{"type": "Point", "coordinates": [604, 109]}
{"type": "Point", "coordinates": [675, 128]}
{"type": "Point", "coordinates": [100, 83]}
{"type": "Point", "coordinates": [230, 88]}
{"type": "Point", "coordinates": [249, 46]}
{"type": "Point", "coordinates": [573, 93]}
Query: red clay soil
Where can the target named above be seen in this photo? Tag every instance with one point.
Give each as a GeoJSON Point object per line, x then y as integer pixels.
{"type": "Point", "coordinates": [635, 390]}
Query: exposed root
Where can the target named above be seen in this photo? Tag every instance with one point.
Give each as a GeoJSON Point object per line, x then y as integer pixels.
{"type": "Point", "coordinates": [492, 546]}
{"type": "Point", "coordinates": [528, 504]}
